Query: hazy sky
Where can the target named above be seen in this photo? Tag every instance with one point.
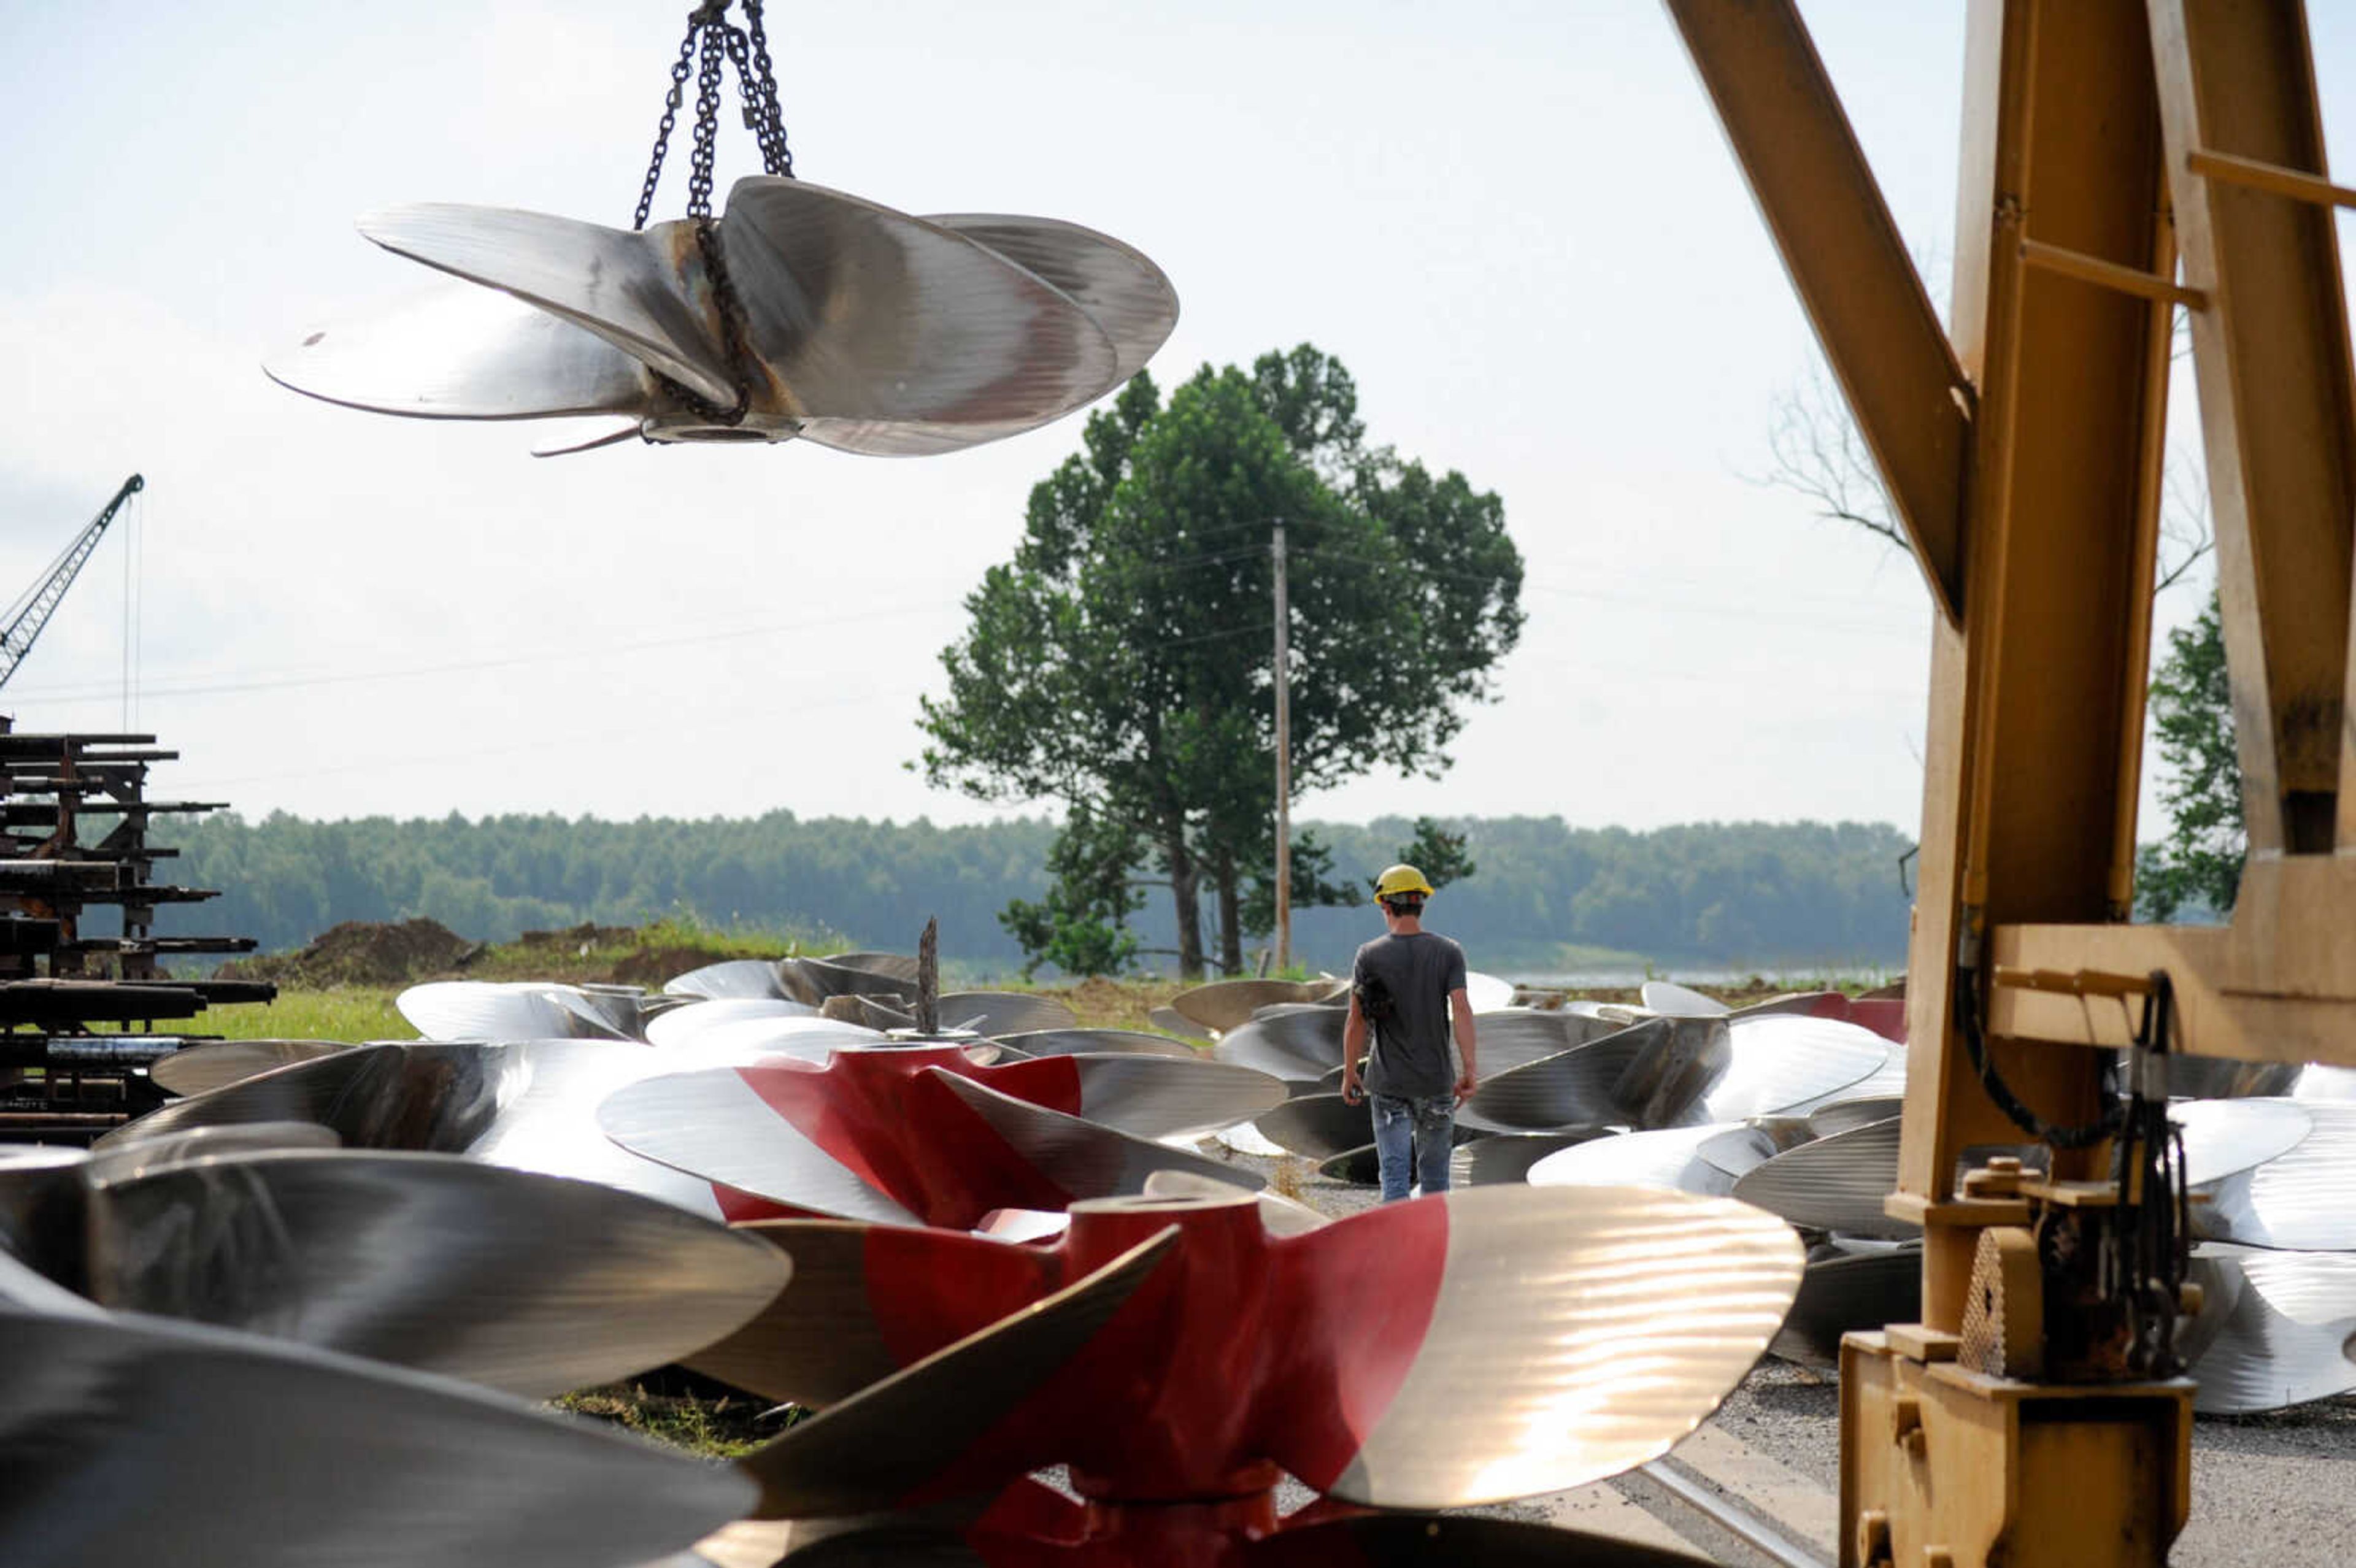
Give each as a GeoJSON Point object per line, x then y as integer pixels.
{"type": "Point", "coordinates": [1516, 223]}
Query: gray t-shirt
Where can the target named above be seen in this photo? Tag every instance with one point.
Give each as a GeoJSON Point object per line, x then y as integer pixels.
{"type": "Point", "coordinates": [1411, 1056]}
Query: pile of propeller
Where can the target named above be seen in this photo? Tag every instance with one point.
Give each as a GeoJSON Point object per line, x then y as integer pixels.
{"type": "Point", "coordinates": [361, 1258]}
{"type": "Point", "coordinates": [1794, 1107]}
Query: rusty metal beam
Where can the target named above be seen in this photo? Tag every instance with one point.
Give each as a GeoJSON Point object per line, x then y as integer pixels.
{"type": "Point", "coordinates": [2277, 408]}
{"type": "Point", "coordinates": [1886, 346]}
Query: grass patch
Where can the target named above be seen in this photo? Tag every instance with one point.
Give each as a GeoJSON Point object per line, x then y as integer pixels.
{"type": "Point", "coordinates": [725, 1426]}
{"type": "Point", "coordinates": [339, 1012]}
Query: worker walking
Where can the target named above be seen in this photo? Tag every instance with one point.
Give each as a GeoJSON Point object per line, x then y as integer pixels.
{"type": "Point", "coordinates": [1409, 986]}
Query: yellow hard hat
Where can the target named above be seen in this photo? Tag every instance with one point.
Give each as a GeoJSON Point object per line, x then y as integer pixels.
{"type": "Point", "coordinates": [1398, 880]}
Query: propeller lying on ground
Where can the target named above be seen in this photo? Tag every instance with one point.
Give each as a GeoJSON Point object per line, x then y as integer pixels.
{"type": "Point", "coordinates": [128, 1439]}
{"type": "Point", "coordinates": [854, 325]}
{"type": "Point", "coordinates": [527, 1010]}
{"type": "Point", "coordinates": [921, 1132]}
{"type": "Point", "coordinates": [526, 1104]}
{"type": "Point", "coordinates": [529, 1283]}
{"type": "Point", "coordinates": [1519, 1342]}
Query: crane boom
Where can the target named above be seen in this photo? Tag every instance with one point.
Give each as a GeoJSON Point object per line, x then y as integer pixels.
{"type": "Point", "coordinates": [31, 613]}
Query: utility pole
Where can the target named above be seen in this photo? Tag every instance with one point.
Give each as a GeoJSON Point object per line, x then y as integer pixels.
{"type": "Point", "coordinates": [1283, 766]}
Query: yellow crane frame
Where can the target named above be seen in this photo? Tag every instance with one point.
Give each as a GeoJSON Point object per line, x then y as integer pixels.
{"type": "Point", "coordinates": [2107, 144]}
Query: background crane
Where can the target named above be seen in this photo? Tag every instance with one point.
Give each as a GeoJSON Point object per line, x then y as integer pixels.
{"type": "Point", "coordinates": [31, 611]}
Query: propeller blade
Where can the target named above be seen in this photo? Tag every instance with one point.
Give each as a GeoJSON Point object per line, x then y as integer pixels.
{"type": "Point", "coordinates": [894, 1440]}
{"type": "Point", "coordinates": [498, 1010]}
{"type": "Point", "coordinates": [1224, 1005]}
{"type": "Point", "coordinates": [1295, 1042]}
{"type": "Point", "coordinates": [1579, 1087]}
{"type": "Point", "coordinates": [867, 315]}
{"type": "Point", "coordinates": [1836, 1183]}
{"type": "Point", "coordinates": [1098, 1042]}
{"type": "Point", "coordinates": [2274, 1328]}
{"type": "Point", "coordinates": [2225, 1137]}
{"type": "Point", "coordinates": [1279, 1215]}
{"type": "Point", "coordinates": [1840, 1115]}
{"type": "Point", "coordinates": [1318, 1126]}
{"type": "Point", "coordinates": [1171, 1021]}
{"type": "Point", "coordinates": [2298, 1201]}
{"type": "Point", "coordinates": [201, 1145]}
{"type": "Point", "coordinates": [465, 353]}
{"type": "Point", "coordinates": [1075, 1156]}
{"type": "Point", "coordinates": [532, 1284]}
{"type": "Point", "coordinates": [527, 1104]}
{"type": "Point", "coordinates": [1669, 1158]}
{"type": "Point", "coordinates": [1849, 1292]}
{"type": "Point", "coordinates": [644, 293]}
{"type": "Point", "coordinates": [1004, 1012]}
{"type": "Point", "coordinates": [1159, 1097]}
{"type": "Point", "coordinates": [611, 437]}
{"type": "Point", "coordinates": [243, 1453]}
{"type": "Point", "coordinates": [1519, 1036]}
{"type": "Point", "coordinates": [857, 1291]}
{"type": "Point", "coordinates": [193, 1069]}
{"type": "Point", "coordinates": [718, 1127]}
{"type": "Point", "coordinates": [751, 1037]}
{"type": "Point", "coordinates": [1504, 1157]}
{"type": "Point", "coordinates": [694, 1021]}
{"type": "Point", "coordinates": [1567, 1337]}
{"type": "Point", "coordinates": [1672, 1000]}
{"type": "Point", "coordinates": [886, 976]}
{"type": "Point", "coordinates": [1123, 291]}
{"type": "Point", "coordinates": [1718, 1070]}
{"type": "Point", "coordinates": [755, 979]}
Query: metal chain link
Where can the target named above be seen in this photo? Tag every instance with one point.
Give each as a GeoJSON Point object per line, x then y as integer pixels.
{"type": "Point", "coordinates": [708, 25]}
{"type": "Point", "coordinates": [775, 156]}
{"type": "Point", "coordinates": [669, 120]}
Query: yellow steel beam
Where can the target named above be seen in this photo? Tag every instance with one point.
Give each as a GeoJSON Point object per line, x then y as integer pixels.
{"type": "Point", "coordinates": [2037, 705]}
{"type": "Point", "coordinates": [2278, 408]}
{"type": "Point", "coordinates": [1861, 292]}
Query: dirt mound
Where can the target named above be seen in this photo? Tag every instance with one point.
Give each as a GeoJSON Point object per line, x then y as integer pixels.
{"type": "Point", "coordinates": [363, 952]}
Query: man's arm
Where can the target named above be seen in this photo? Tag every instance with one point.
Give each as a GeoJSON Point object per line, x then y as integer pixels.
{"type": "Point", "coordinates": [1354, 1045]}
{"type": "Point", "coordinates": [1460, 1009]}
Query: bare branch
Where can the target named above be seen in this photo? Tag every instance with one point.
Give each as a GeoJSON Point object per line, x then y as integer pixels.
{"type": "Point", "coordinates": [2186, 531]}
{"type": "Point", "coordinates": [1816, 451]}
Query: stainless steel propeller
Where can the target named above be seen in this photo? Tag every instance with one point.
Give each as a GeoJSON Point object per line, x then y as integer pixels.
{"type": "Point", "coordinates": [863, 328]}
{"type": "Point", "coordinates": [128, 1439]}
{"type": "Point", "coordinates": [1224, 1005]}
{"type": "Point", "coordinates": [194, 1069]}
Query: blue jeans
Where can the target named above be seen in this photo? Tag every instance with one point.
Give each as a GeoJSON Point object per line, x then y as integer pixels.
{"type": "Point", "coordinates": [1414, 1137]}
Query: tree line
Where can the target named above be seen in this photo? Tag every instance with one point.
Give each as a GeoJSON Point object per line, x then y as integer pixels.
{"type": "Point", "coordinates": [1763, 894]}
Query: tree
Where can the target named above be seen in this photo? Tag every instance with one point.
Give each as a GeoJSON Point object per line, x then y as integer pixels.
{"type": "Point", "coordinates": [1438, 854]}
{"type": "Point", "coordinates": [2200, 862]}
{"type": "Point", "coordinates": [1121, 662]}
{"type": "Point", "coordinates": [1081, 926]}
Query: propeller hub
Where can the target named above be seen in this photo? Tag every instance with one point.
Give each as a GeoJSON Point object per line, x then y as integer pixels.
{"type": "Point", "coordinates": [690, 427]}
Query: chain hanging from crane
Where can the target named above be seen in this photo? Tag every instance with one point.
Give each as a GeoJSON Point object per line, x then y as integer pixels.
{"type": "Point", "coordinates": [710, 38]}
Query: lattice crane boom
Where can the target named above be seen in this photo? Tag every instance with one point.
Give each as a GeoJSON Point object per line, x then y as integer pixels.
{"type": "Point", "coordinates": [30, 613]}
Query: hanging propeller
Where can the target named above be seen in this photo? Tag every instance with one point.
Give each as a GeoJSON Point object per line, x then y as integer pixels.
{"type": "Point", "coordinates": [1517, 1342]}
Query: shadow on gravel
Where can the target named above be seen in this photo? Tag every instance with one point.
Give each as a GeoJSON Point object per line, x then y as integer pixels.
{"type": "Point", "coordinates": [2325, 1428]}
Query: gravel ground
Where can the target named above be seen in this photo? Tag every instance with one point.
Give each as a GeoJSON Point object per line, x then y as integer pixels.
{"type": "Point", "coordinates": [2272, 1491]}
